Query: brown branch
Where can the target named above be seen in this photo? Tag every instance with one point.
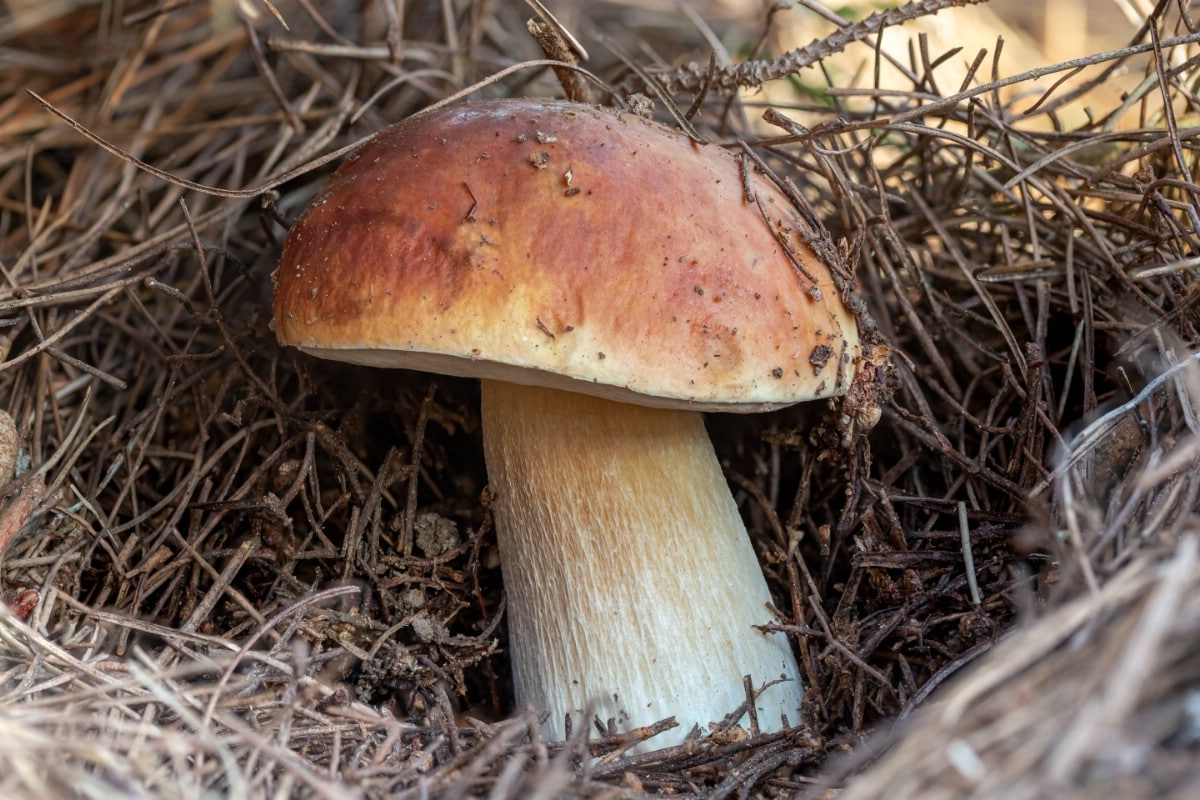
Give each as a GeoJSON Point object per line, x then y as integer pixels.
{"type": "Point", "coordinates": [751, 74]}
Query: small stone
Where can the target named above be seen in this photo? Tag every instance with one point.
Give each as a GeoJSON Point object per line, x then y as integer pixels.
{"type": "Point", "coordinates": [428, 629]}
{"type": "Point", "coordinates": [434, 534]}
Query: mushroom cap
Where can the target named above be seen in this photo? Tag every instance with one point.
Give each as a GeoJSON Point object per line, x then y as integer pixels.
{"type": "Point", "coordinates": [551, 243]}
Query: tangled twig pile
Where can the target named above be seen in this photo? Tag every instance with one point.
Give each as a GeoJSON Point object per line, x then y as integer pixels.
{"type": "Point", "coordinates": [203, 535]}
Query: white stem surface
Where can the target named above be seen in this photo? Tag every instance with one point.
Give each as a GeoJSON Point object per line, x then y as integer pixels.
{"type": "Point", "coordinates": [632, 586]}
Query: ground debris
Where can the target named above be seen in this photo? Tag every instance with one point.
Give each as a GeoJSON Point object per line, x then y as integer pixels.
{"type": "Point", "coordinates": [231, 570]}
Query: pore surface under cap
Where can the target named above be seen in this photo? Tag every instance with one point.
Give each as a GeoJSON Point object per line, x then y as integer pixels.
{"type": "Point", "coordinates": [552, 243]}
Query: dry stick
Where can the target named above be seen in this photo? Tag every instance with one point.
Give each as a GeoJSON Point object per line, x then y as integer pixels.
{"type": "Point", "coordinates": [443, 703]}
{"type": "Point", "coordinates": [59, 334]}
{"type": "Point", "coordinates": [1092, 435]}
{"type": "Point", "coordinates": [293, 763]}
{"type": "Point", "coordinates": [961, 260]}
{"type": "Point", "coordinates": [222, 584]}
{"type": "Point", "coordinates": [139, 454]}
{"type": "Point", "coordinates": [412, 76]}
{"type": "Point", "coordinates": [553, 45]}
{"type": "Point", "coordinates": [924, 338]}
{"type": "Point", "coordinates": [764, 760]}
{"type": "Point", "coordinates": [702, 95]}
{"type": "Point", "coordinates": [41, 227]}
{"type": "Point", "coordinates": [171, 178]}
{"type": "Point", "coordinates": [178, 497]}
{"type": "Point", "coordinates": [938, 105]}
{"type": "Point", "coordinates": [410, 511]}
{"type": "Point", "coordinates": [203, 730]}
{"type": "Point", "coordinates": [500, 739]}
{"type": "Point", "coordinates": [1075, 534]}
{"type": "Point", "coordinates": [1039, 166]}
{"type": "Point", "coordinates": [262, 630]}
{"type": "Point", "coordinates": [264, 70]}
{"type": "Point", "coordinates": [214, 313]}
{"type": "Point", "coordinates": [964, 531]}
{"type": "Point", "coordinates": [311, 165]}
{"type": "Point", "coordinates": [130, 257]}
{"type": "Point", "coordinates": [1041, 72]}
{"type": "Point", "coordinates": [34, 645]}
{"type": "Point", "coordinates": [368, 515]}
{"type": "Point", "coordinates": [657, 89]}
{"type": "Point", "coordinates": [750, 706]}
{"type": "Point", "coordinates": [753, 74]}
{"type": "Point", "coordinates": [504, 73]}
{"type": "Point", "coordinates": [684, 757]}
{"type": "Point", "coordinates": [717, 49]}
{"type": "Point", "coordinates": [67, 441]}
{"type": "Point", "coordinates": [67, 298]}
{"type": "Point", "coordinates": [848, 653]}
{"type": "Point", "coordinates": [347, 50]}
{"type": "Point", "coordinates": [560, 29]}
{"type": "Point", "coordinates": [83, 366]}
{"type": "Point", "coordinates": [947, 670]}
{"type": "Point", "coordinates": [1168, 108]}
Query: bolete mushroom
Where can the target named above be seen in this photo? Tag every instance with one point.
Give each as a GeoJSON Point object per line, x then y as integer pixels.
{"type": "Point", "coordinates": [607, 279]}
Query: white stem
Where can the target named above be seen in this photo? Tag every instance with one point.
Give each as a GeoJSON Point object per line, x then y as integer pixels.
{"type": "Point", "coordinates": [632, 586]}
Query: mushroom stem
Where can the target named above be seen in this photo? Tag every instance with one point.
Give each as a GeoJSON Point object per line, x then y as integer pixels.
{"type": "Point", "coordinates": [632, 586]}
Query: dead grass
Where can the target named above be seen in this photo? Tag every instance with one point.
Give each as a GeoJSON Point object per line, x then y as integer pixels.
{"type": "Point", "coordinates": [234, 571]}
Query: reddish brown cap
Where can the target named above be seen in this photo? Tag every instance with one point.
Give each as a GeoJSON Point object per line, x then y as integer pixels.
{"type": "Point", "coordinates": [558, 244]}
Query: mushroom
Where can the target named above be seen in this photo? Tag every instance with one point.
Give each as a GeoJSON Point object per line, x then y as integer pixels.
{"type": "Point", "coordinates": [607, 279]}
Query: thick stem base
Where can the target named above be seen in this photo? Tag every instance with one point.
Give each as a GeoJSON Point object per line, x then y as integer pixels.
{"type": "Point", "coordinates": [632, 586]}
